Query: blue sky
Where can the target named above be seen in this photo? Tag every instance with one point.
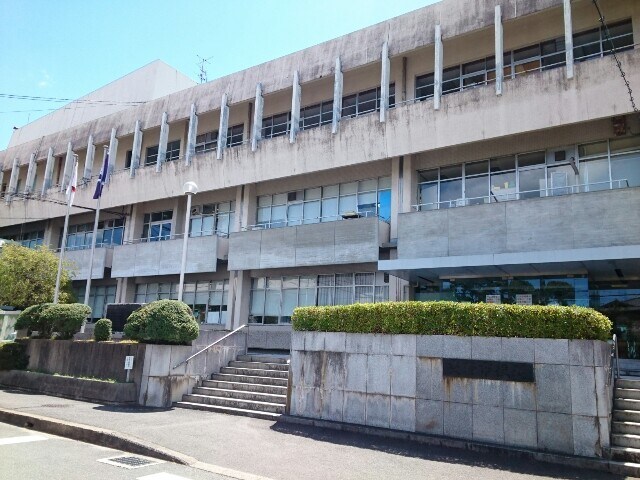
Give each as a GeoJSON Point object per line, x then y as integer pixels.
{"type": "Point", "coordinates": [67, 48]}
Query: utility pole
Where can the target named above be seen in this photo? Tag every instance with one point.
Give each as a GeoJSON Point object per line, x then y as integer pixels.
{"type": "Point", "coordinates": [203, 72]}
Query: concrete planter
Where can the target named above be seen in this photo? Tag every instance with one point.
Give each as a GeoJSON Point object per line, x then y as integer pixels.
{"type": "Point", "coordinates": [397, 382]}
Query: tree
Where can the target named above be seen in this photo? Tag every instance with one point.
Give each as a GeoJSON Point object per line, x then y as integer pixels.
{"type": "Point", "coordinates": [28, 277]}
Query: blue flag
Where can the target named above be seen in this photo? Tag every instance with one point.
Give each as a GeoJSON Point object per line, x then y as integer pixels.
{"type": "Point", "coordinates": [102, 178]}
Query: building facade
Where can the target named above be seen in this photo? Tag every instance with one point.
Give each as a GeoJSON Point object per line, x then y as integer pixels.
{"type": "Point", "coordinates": [469, 151]}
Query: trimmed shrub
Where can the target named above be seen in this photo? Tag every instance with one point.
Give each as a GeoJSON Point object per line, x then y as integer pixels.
{"type": "Point", "coordinates": [66, 318]}
{"type": "Point", "coordinates": [102, 330]}
{"type": "Point", "coordinates": [31, 320]}
{"type": "Point", "coordinates": [163, 321]}
{"type": "Point", "coordinates": [453, 318]}
{"type": "Point", "coordinates": [13, 356]}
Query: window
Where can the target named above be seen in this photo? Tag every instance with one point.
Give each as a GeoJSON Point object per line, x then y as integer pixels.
{"type": "Point", "coordinates": [276, 125]}
{"type": "Point", "coordinates": [157, 226]}
{"type": "Point", "coordinates": [29, 239]}
{"type": "Point", "coordinates": [363, 198]}
{"type": "Point", "coordinates": [206, 142]}
{"type": "Point", "coordinates": [594, 43]}
{"type": "Point", "coordinates": [110, 232]}
{"type": "Point", "coordinates": [274, 298]}
{"type": "Point", "coordinates": [127, 159]}
{"type": "Point", "coordinates": [173, 153]}
{"type": "Point", "coordinates": [366, 101]}
{"type": "Point", "coordinates": [211, 219]}
{"type": "Point", "coordinates": [152, 156]}
{"type": "Point", "coordinates": [99, 297]}
{"type": "Point", "coordinates": [316, 115]}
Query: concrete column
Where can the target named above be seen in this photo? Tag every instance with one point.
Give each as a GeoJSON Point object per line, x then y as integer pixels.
{"type": "Point", "coordinates": [133, 224]}
{"type": "Point", "coordinates": [13, 180]}
{"type": "Point", "coordinates": [1, 177]}
{"type": "Point", "coordinates": [295, 107]}
{"type": "Point", "coordinates": [256, 133]}
{"type": "Point", "coordinates": [48, 172]}
{"type": "Point", "coordinates": [409, 185]}
{"type": "Point", "coordinates": [249, 206]}
{"type": "Point", "coordinates": [568, 37]}
{"type": "Point", "coordinates": [224, 126]}
{"type": "Point", "coordinates": [136, 150]}
{"type": "Point", "coordinates": [242, 292]}
{"type": "Point", "coordinates": [162, 146]}
{"type": "Point", "coordinates": [191, 136]}
{"type": "Point", "coordinates": [499, 50]}
{"type": "Point", "coordinates": [235, 227]}
{"type": "Point", "coordinates": [31, 175]}
{"type": "Point", "coordinates": [384, 82]}
{"type": "Point", "coordinates": [337, 96]}
{"type": "Point", "coordinates": [396, 193]}
{"type": "Point", "coordinates": [438, 65]}
{"type": "Point", "coordinates": [51, 233]}
{"type": "Point", "coordinates": [88, 160]}
{"type": "Point", "coordinates": [68, 166]}
{"type": "Point", "coordinates": [125, 290]}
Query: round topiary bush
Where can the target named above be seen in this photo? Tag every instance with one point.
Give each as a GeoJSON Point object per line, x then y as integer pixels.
{"type": "Point", "coordinates": [102, 330]}
{"type": "Point", "coordinates": [30, 320]}
{"type": "Point", "coordinates": [163, 321]}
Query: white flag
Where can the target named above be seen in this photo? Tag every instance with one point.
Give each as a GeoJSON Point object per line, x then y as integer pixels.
{"type": "Point", "coordinates": [71, 189]}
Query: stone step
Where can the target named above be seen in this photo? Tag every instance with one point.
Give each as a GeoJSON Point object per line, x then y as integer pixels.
{"type": "Point", "coordinates": [242, 395]}
{"type": "Point", "coordinates": [246, 387]}
{"type": "Point", "coordinates": [627, 469]}
{"type": "Point", "coordinates": [625, 440]}
{"type": "Point", "coordinates": [626, 383]}
{"type": "Point", "coordinates": [260, 365]}
{"type": "Point", "coordinates": [255, 372]}
{"type": "Point", "coordinates": [626, 404]}
{"type": "Point", "coordinates": [626, 427]}
{"type": "Point", "coordinates": [235, 403]}
{"type": "Point", "coordinates": [282, 382]}
{"type": "Point", "coordinates": [625, 454]}
{"type": "Point", "coordinates": [227, 410]}
{"type": "Point", "coordinates": [630, 393]}
{"type": "Point", "coordinates": [626, 415]}
{"type": "Point", "coordinates": [263, 358]}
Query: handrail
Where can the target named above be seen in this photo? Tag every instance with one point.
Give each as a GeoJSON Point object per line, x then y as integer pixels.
{"type": "Point", "coordinates": [615, 349]}
{"type": "Point", "coordinates": [209, 346]}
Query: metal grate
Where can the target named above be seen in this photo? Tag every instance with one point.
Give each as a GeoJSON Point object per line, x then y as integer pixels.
{"type": "Point", "coordinates": [130, 461]}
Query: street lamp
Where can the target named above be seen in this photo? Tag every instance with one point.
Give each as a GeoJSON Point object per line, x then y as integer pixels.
{"type": "Point", "coordinates": [190, 189]}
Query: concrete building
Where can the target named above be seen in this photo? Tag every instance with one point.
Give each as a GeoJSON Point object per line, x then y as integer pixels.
{"type": "Point", "coordinates": [483, 151]}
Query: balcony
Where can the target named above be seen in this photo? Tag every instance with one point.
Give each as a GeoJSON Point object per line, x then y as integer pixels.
{"type": "Point", "coordinates": [340, 242]}
{"type": "Point", "coordinates": [102, 258]}
{"type": "Point", "coordinates": [146, 259]}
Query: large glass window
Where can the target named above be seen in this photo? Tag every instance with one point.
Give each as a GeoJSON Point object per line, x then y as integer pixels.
{"type": "Point", "coordinates": [110, 232]}
{"type": "Point", "coordinates": [276, 125]}
{"type": "Point", "coordinates": [173, 153]}
{"type": "Point", "coordinates": [212, 219]}
{"type": "Point", "coordinates": [594, 43]}
{"type": "Point", "coordinates": [366, 101]}
{"type": "Point", "coordinates": [157, 226]}
{"type": "Point", "coordinates": [208, 141]}
{"type": "Point", "coordinates": [99, 297]}
{"type": "Point", "coordinates": [29, 239]}
{"type": "Point", "coordinates": [316, 115]}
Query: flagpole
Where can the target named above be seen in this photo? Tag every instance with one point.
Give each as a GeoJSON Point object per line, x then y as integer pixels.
{"type": "Point", "coordinates": [93, 248]}
{"type": "Point", "coordinates": [56, 293]}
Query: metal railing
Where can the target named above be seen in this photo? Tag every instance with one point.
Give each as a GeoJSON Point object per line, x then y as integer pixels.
{"type": "Point", "coordinates": [282, 223]}
{"type": "Point", "coordinates": [187, 360]}
{"type": "Point", "coordinates": [615, 356]}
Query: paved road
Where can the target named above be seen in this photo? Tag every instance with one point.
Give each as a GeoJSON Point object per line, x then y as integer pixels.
{"type": "Point", "coordinates": [284, 451]}
{"type": "Point", "coordinates": [29, 455]}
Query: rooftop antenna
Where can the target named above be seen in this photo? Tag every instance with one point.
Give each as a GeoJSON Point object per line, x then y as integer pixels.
{"type": "Point", "coordinates": [203, 72]}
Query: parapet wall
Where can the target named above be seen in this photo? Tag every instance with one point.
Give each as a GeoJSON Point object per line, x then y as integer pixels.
{"type": "Point", "coordinates": [541, 394]}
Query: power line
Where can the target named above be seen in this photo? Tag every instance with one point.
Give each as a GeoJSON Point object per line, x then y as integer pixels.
{"type": "Point", "coordinates": [14, 96]}
{"type": "Point", "coordinates": [614, 51]}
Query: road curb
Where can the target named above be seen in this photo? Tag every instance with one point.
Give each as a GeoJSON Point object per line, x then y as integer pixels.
{"type": "Point", "coordinates": [94, 435]}
{"type": "Point", "coordinates": [603, 464]}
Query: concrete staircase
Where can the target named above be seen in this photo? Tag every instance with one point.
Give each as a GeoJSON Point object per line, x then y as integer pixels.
{"type": "Point", "coordinates": [252, 386]}
{"type": "Point", "coordinates": [625, 428]}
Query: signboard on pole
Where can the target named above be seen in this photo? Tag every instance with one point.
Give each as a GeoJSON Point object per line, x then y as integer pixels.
{"type": "Point", "coordinates": [128, 362]}
{"type": "Point", "coordinates": [493, 299]}
{"type": "Point", "coordinates": [524, 299]}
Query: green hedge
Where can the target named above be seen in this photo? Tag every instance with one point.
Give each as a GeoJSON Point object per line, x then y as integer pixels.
{"type": "Point", "coordinates": [164, 322]}
{"type": "Point", "coordinates": [63, 318]}
{"type": "Point", "coordinates": [102, 330]}
{"type": "Point", "coordinates": [13, 356]}
{"type": "Point", "coordinates": [453, 318]}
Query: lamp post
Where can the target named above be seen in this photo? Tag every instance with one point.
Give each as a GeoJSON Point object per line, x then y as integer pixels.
{"type": "Point", "coordinates": [190, 189]}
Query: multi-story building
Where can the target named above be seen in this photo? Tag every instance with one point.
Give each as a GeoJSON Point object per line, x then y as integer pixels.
{"type": "Point", "coordinates": [483, 151]}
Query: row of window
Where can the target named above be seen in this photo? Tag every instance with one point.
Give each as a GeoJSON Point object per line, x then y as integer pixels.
{"type": "Point", "coordinates": [207, 299]}
{"type": "Point", "coordinates": [599, 166]}
{"type": "Point", "coordinates": [212, 219]}
{"type": "Point", "coordinates": [274, 298]}
{"type": "Point", "coordinates": [110, 232]}
{"type": "Point", "coordinates": [29, 239]}
{"type": "Point", "coordinates": [209, 141]}
{"type": "Point", "coordinates": [99, 297]}
{"type": "Point", "coordinates": [540, 56]}
{"type": "Point", "coordinates": [326, 204]}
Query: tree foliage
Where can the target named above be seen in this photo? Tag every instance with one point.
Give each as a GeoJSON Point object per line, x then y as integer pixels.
{"type": "Point", "coordinates": [28, 277]}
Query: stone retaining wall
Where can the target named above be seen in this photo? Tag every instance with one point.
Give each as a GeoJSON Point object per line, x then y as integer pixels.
{"type": "Point", "coordinates": [397, 382]}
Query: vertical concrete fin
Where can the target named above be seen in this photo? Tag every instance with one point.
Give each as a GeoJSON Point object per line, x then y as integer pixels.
{"type": "Point", "coordinates": [68, 166]}
{"type": "Point", "coordinates": [113, 151]}
{"type": "Point", "coordinates": [13, 180]}
{"type": "Point", "coordinates": [136, 151]}
{"type": "Point", "coordinates": [437, 74]}
{"type": "Point", "coordinates": [1, 177]}
{"type": "Point", "coordinates": [162, 146]}
{"type": "Point", "coordinates": [191, 135]}
{"type": "Point", "coordinates": [224, 126]}
{"type": "Point", "coordinates": [337, 96]}
{"type": "Point", "coordinates": [499, 51]}
{"type": "Point", "coordinates": [88, 159]}
{"type": "Point", "coordinates": [31, 175]}
{"type": "Point", "coordinates": [295, 107]}
{"type": "Point", "coordinates": [48, 172]}
{"type": "Point", "coordinates": [256, 134]}
{"type": "Point", "coordinates": [384, 82]}
{"type": "Point", "coordinates": [568, 37]}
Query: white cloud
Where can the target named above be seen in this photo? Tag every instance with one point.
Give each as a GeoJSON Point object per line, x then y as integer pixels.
{"type": "Point", "coordinates": [45, 81]}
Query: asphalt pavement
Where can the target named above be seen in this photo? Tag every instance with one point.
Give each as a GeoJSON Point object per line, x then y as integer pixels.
{"type": "Point", "coordinates": [245, 447]}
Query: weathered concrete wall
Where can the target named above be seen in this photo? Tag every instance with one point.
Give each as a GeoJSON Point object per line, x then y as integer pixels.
{"type": "Point", "coordinates": [7, 322]}
{"type": "Point", "coordinates": [349, 241]}
{"type": "Point", "coordinates": [102, 259]}
{"type": "Point", "coordinates": [397, 382]}
{"type": "Point", "coordinates": [271, 337]}
{"type": "Point", "coordinates": [551, 223]}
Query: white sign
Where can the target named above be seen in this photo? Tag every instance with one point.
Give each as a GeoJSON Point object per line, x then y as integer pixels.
{"type": "Point", "coordinates": [524, 299]}
{"type": "Point", "coordinates": [493, 299]}
{"type": "Point", "coordinates": [128, 362]}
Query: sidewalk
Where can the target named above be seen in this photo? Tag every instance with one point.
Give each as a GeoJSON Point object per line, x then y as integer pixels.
{"type": "Point", "coordinates": [285, 451]}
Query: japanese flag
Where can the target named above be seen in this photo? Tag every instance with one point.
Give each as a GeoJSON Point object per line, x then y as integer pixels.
{"type": "Point", "coordinates": [73, 185]}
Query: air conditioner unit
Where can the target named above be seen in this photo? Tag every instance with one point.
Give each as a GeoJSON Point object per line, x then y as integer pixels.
{"type": "Point", "coordinates": [197, 210]}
